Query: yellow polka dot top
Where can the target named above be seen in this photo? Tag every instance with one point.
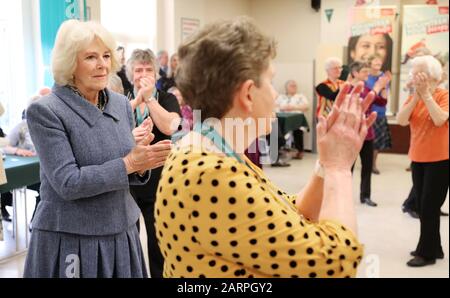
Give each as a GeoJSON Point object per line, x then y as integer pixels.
{"type": "Point", "coordinates": [216, 217]}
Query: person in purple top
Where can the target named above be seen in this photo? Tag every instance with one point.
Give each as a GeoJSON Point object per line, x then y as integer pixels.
{"type": "Point", "coordinates": [359, 71]}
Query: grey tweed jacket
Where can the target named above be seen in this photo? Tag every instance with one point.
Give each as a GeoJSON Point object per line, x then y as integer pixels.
{"type": "Point", "coordinates": [84, 184]}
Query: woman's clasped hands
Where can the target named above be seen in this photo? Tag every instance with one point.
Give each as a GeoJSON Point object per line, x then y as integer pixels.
{"type": "Point", "coordinates": [144, 156]}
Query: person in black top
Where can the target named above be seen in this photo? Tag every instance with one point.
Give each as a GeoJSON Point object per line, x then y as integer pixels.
{"type": "Point", "coordinates": [345, 73]}
{"type": "Point", "coordinates": [163, 109]}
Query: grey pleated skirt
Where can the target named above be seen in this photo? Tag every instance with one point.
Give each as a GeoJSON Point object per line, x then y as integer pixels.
{"type": "Point", "coordinates": [63, 255]}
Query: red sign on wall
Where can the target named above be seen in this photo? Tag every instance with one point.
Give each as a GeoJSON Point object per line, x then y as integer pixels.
{"type": "Point", "coordinates": [387, 12]}
{"type": "Point", "coordinates": [443, 9]}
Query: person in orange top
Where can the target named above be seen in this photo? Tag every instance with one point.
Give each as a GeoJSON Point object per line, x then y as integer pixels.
{"type": "Point", "coordinates": [328, 90]}
{"type": "Point", "coordinates": [426, 112]}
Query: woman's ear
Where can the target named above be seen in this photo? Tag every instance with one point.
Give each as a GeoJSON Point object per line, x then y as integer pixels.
{"type": "Point", "coordinates": [245, 96]}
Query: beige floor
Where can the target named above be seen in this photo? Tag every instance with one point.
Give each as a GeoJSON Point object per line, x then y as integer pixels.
{"type": "Point", "coordinates": [387, 233]}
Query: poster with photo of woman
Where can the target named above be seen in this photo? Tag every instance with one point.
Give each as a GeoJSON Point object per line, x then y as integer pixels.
{"type": "Point", "coordinates": [371, 32]}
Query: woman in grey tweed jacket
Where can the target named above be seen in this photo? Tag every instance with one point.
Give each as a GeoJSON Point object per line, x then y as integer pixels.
{"type": "Point", "coordinates": [85, 225]}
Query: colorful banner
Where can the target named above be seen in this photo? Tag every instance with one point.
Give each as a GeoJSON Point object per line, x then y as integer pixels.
{"type": "Point", "coordinates": [52, 14]}
{"type": "Point", "coordinates": [425, 32]}
{"type": "Point", "coordinates": [371, 32]}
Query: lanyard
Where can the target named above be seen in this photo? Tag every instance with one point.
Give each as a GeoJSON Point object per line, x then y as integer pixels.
{"type": "Point", "coordinates": [218, 140]}
{"type": "Point", "coordinates": [139, 117]}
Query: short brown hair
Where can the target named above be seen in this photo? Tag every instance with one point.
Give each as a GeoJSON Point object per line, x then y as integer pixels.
{"type": "Point", "coordinates": [357, 66]}
{"type": "Point", "coordinates": [217, 60]}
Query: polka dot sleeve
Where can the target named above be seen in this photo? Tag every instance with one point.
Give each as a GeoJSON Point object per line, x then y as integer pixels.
{"type": "Point", "coordinates": [242, 225]}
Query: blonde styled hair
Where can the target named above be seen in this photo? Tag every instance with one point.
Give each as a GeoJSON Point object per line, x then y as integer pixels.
{"type": "Point", "coordinates": [73, 36]}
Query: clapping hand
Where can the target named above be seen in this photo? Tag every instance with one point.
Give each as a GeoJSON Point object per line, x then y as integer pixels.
{"type": "Point", "coordinates": [143, 131]}
{"type": "Point", "coordinates": [147, 88]}
{"type": "Point", "coordinates": [421, 83]}
{"type": "Point", "coordinates": [382, 82]}
{"type": "Point", "coordinates": [342, 133]}
{"type": "Point", "coordinates": [144, 157]}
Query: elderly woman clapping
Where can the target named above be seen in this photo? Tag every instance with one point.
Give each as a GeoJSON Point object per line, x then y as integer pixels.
{"type": "Point", "coordinates": [163, 110]}
{"type": "Point", "coordinates": [217, 214]}
{"type": "Point", "coordinates": [426, 113]}
{"type": "Point", "coordinates": [85, 225]}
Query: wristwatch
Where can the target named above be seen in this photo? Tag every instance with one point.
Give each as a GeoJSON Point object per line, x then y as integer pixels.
{"type": "Point", "coordinates": [319, 170]}
{"type": "Point", "coordinates": [149, 100]}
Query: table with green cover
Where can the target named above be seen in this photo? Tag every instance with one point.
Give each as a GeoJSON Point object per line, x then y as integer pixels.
{"type": "Point", "coordinates": [20, 173]}
{"type": "Point", "coordinates": [291, 121]}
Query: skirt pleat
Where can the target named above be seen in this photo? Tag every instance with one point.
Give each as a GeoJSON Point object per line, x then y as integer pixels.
{"type": "Point", "coordinates": [107, 258]}
{"type": "Point", "coordinates": [89, 256]}
{"type": "Point", "coordinates": [69, 256]}
{"type": "Point", "coordinates": [136, 255]}
{"type": "Point", "coordinates": [63, 255]}
{"type": "Point", "coordinates": [122, 260]}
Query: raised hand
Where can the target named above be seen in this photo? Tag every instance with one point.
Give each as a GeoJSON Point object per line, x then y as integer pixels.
{"type": "Point", "coordinates": [145, 157]}
{"type": "Point", "coordinates": [342, 133]}
{"type": "Point", "coordinates": [421, 83]}
{"type": "Point", "coordinates": [147, 124]}
{"type": "Point", "coordinates": [143, 130]}
{"type": "Point", "coordinates": [147, 87]}
{"type": "Point", "coordinates": [382, 82]}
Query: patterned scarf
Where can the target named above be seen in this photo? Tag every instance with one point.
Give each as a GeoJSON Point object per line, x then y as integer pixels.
{"type": "Point", "coordinates": [102, 97]}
